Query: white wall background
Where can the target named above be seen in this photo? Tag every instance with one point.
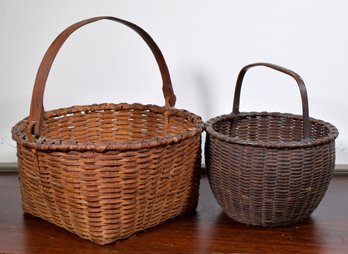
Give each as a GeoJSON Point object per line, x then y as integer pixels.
{"type": "Point", "coordinates": [205, 44]}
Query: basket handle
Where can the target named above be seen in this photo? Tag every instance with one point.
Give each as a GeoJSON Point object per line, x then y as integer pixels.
{"type": "Point", "coordinates": [36, 107]}
{"type": "Point", "coordinates": [301, 85]}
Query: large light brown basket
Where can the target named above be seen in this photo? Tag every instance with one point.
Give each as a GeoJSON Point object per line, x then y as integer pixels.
{"type": "Point", "coordinates": [269, 169]}
{"type": "Point", "coordinates": [107, 171]}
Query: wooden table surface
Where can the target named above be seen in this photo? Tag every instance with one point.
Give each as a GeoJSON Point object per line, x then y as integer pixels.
{"type": "Point", "coordinates": [207, 230]}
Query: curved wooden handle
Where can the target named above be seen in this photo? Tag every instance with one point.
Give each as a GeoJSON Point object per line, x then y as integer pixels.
{"type": "Point", "coordinates": [301, 85]}
{"type": "Point", "coordinates": [36, 107]}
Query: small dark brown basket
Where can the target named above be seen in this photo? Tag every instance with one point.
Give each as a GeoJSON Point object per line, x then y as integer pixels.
{"type": "Point", "coordinates": [107, 171]}
{"type": "Point", "coordinates": [269, 169]}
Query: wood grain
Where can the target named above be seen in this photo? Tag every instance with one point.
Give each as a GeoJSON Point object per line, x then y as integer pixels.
{"type": "Point", "coordinates": [207, 230]}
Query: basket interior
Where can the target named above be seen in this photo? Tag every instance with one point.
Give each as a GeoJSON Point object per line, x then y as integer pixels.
{"type": "Point", "coordinates": [275, 128]}
{"type": "Point", "coordinates": [115, 123]}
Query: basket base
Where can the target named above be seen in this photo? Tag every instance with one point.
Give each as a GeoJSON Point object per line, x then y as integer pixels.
{"type": "Point", "coordinates": [268, 224]}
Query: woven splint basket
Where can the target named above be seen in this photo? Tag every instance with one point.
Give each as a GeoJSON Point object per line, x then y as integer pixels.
{"type": "Point", "coordinates": [107, 171]}
{"type": "Point", "coordinates": [269, 169]}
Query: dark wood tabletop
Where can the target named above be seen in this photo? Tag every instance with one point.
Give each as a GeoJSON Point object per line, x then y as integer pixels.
{"type": "Point", "coordinates": [208, 230]}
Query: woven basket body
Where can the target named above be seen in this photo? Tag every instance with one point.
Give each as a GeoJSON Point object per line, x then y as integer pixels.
{"type": "Point", "coordinates": [107, 171]}
{"type": "Point", "coordinates": [263, 171]}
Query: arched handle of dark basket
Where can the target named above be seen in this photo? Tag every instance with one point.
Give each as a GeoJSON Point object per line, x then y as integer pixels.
{"type": "Point", "coordinates": [301, 85]}
{"type": "Point", "coordinates": [36, 107]}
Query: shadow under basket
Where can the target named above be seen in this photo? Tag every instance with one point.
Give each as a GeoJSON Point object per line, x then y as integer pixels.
{"type": "Point", "coordinates": [107, 171]}
{"type": "Point", "coordinates": [269, 169]}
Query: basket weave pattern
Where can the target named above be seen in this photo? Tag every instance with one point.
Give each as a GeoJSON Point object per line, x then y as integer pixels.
{"type": "Point", "coordinates": [268, 186]}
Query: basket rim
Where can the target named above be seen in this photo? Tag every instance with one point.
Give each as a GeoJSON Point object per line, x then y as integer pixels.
{"type": "Point", "coordinates": [20, 134]}
{"type": "Point", "coordinates": [332, 135]}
